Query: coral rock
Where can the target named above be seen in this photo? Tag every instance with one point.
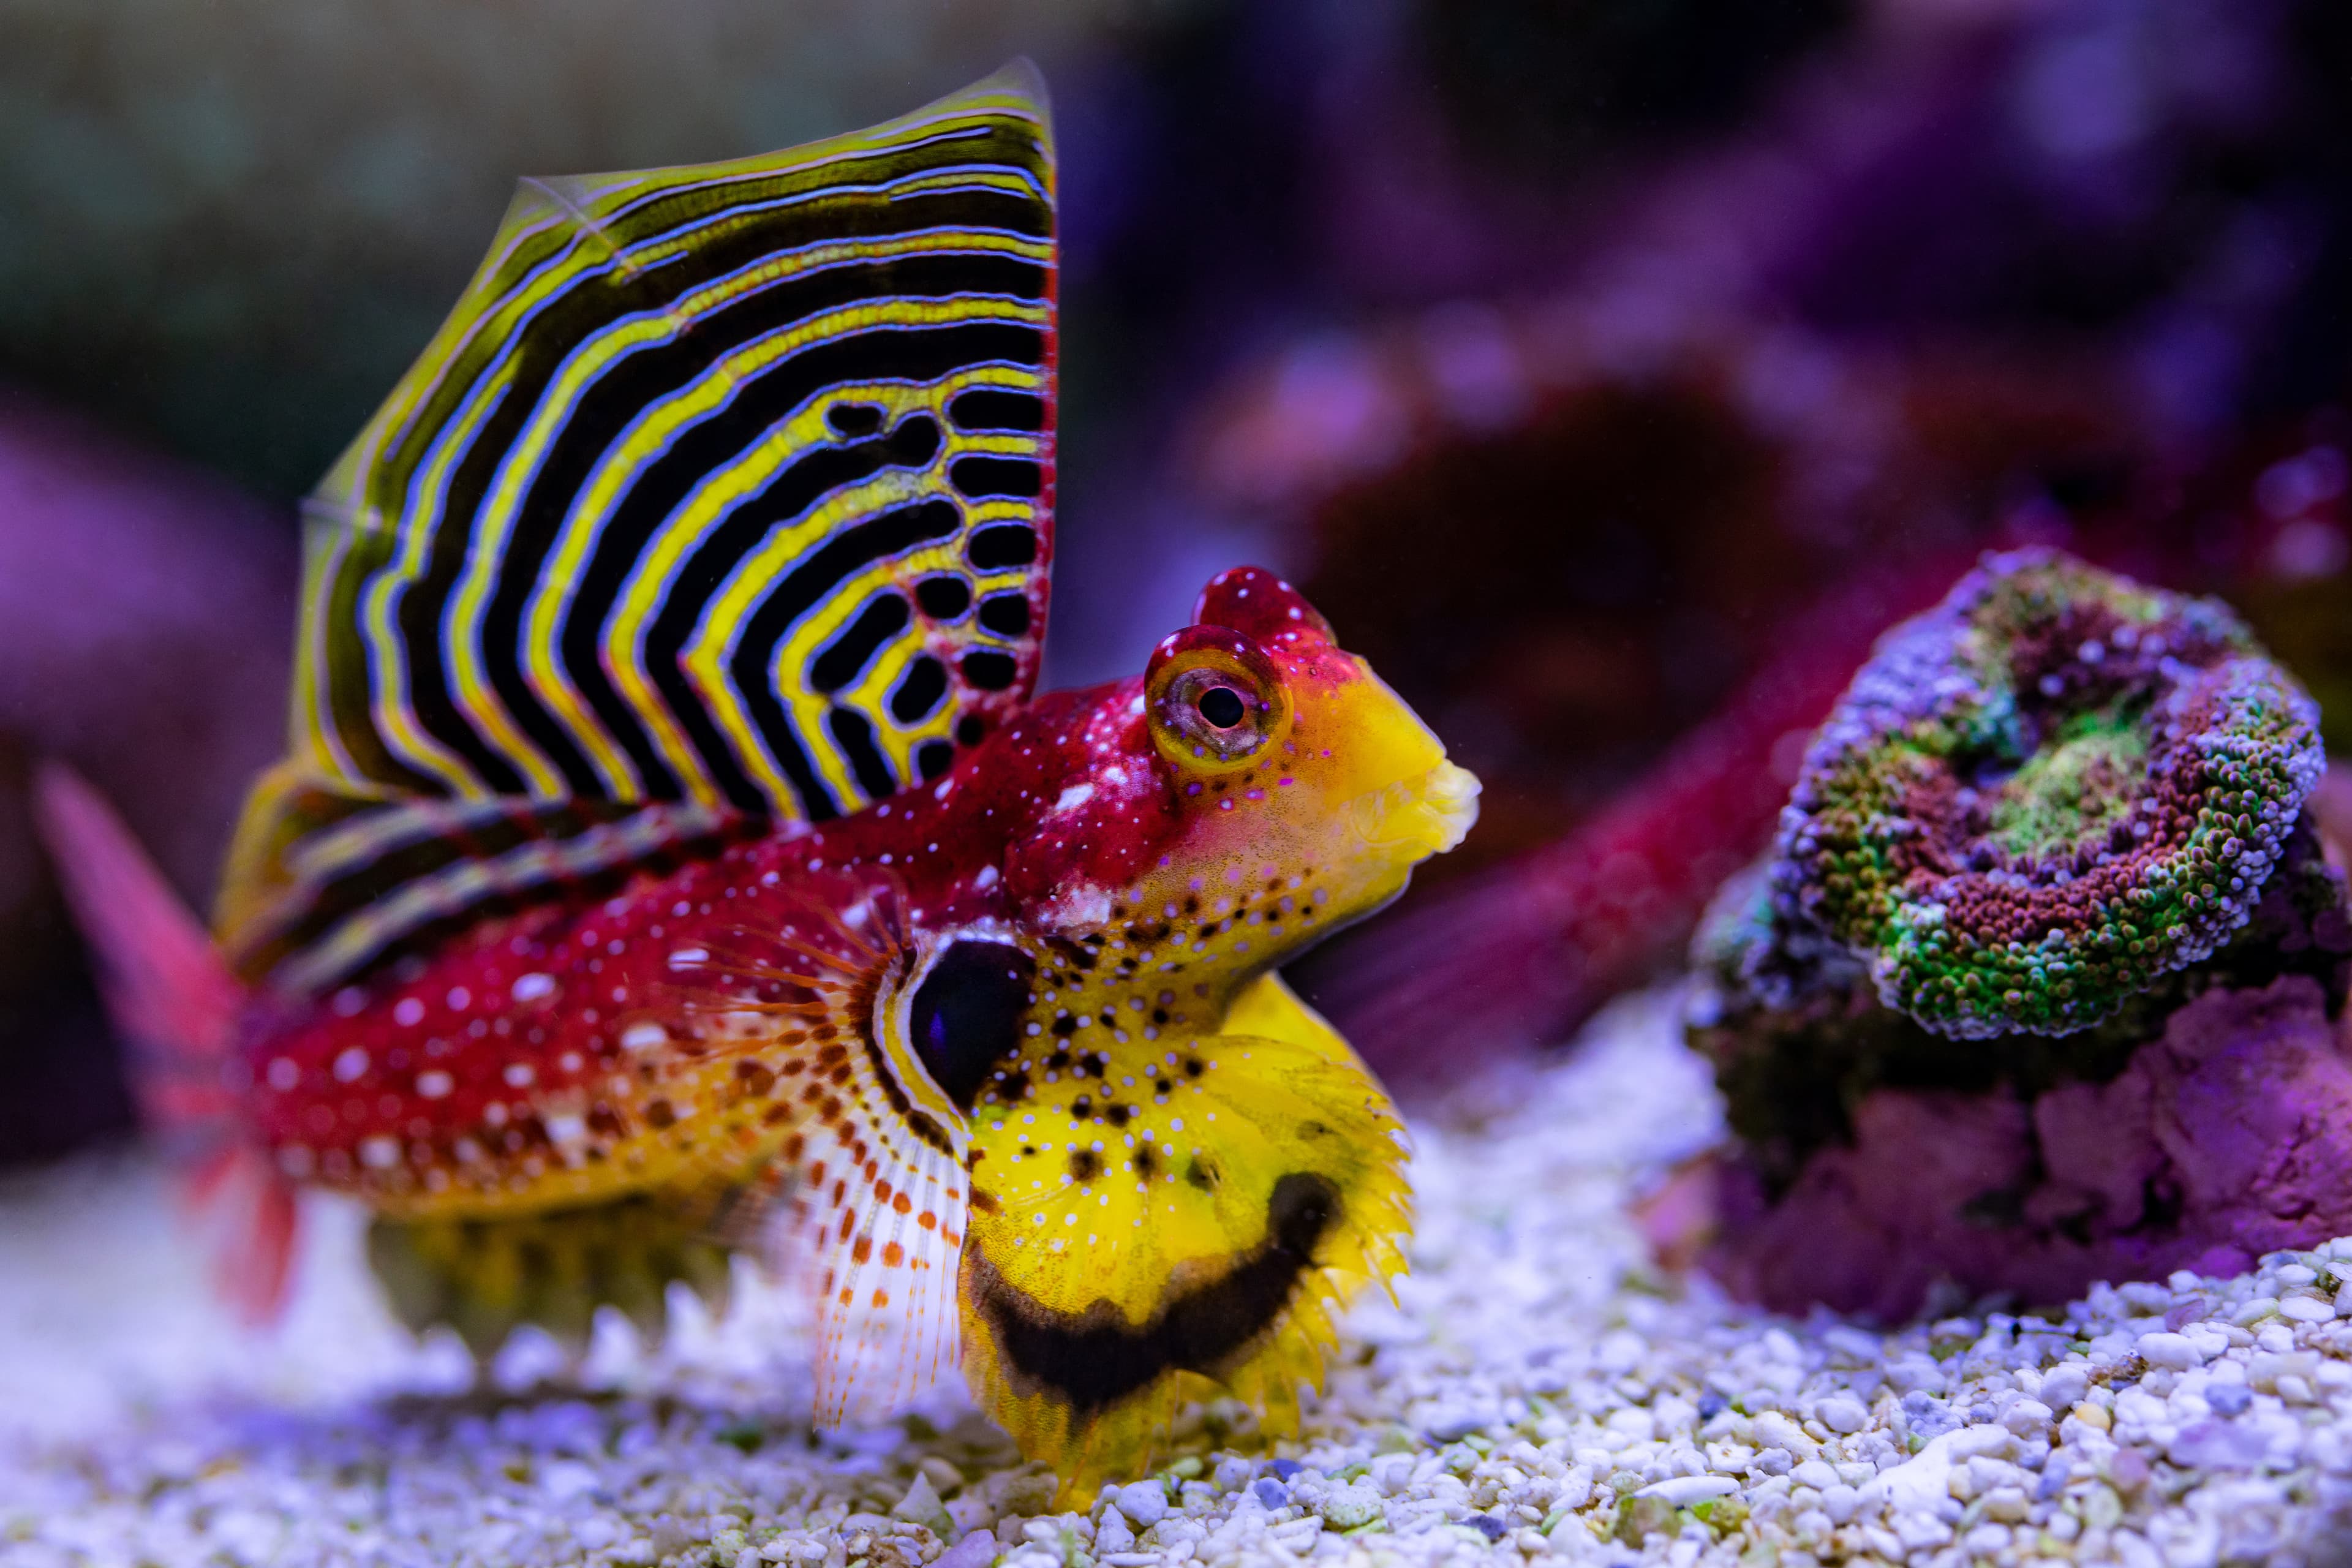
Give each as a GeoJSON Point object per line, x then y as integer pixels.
{"type": "Point", "coordinates": [2044, 794]}
{"type": "Point", "coordinates": [2046, 984]}
{"type": "Point", "coordinates": [2229, 1138]}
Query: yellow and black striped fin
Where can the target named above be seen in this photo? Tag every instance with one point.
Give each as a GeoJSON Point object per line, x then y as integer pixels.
{"type": "Point", "coordinates": [727, 486]}
{"type": "Point", "coordinates": [330, 882]}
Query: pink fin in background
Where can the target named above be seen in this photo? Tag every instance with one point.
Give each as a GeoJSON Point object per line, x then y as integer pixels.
{"type": "Point", "coordinates": [177, 1007]}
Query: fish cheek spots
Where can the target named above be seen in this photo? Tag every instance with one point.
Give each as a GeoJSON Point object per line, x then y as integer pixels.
{"type": "Point", "coordinates": [1091, 1361]}
{"type": "Point", "coordinates": [966, 1015]}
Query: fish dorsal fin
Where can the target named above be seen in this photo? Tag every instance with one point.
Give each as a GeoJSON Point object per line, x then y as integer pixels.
{"type": "Point", "coordinates": [727, 486]}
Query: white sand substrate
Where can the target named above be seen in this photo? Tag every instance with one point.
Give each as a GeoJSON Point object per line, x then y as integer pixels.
{"type": "Point", "coordinates": [1542, 1392]}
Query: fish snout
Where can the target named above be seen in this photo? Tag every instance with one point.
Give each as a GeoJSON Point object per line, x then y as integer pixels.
{"type": "Point", "coordinates": [1416, 817]}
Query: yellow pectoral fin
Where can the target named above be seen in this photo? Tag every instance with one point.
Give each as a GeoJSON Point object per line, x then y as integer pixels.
{"type": "Point", "coordinates": [1132, 1246]}
{"type": "Point", "coordinates": [1269, 1008]}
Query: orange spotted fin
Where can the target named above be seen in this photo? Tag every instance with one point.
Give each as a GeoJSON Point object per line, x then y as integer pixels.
{"type": "Point", "coordinates": [862, 1207]}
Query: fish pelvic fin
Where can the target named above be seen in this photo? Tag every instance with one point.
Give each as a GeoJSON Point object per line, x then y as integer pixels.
{"type": "Point", "coordinates": [485, 1276]}
{"type": "Point", "coordinates": [178, 1011]}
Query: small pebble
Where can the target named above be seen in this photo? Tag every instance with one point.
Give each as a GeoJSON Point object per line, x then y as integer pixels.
{"type": "Point", "coordinates": [1842, 1415]}
{"type": "Point", "coordinates": [975, 1550]}
{"type": "Point", "coordinates": [2177, 1352]}
{"type": "Point", "coordinates": [1350, 1506]}
{"type": "Point", "coordinates": [1112, 1534]}
{"type": "Point", "coordinates": [2063, 1386]}
{"type": "Point", "coordinates": [1145, 1503]}
{"type": "Point", "coordinates": [1684, 1490]}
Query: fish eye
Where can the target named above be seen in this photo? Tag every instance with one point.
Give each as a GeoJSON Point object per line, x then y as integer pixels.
{"type": "Point", "coordinates": [1215, 699]}
{"type": "Point", "coordinates": [1222, 707]}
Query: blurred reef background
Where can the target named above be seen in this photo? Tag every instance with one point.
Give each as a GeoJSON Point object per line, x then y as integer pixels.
{"type": "Point", "coordinates": [1611, 372]}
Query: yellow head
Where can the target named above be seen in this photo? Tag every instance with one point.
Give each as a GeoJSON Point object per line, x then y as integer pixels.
{"type": "Point", "coordinates": [1178, 1171]}
{"type": "Point", "coordinates": [1261, 789]}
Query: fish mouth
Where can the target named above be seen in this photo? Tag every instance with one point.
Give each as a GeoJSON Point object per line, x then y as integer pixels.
{"type": "Point", "coordinates": [1420, 815]}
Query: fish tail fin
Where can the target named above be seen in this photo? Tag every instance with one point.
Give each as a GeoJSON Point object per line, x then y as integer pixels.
{"type": "Point", "coordinates": [176, 1006]}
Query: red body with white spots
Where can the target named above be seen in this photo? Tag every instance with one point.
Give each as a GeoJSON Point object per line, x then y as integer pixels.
{"type": "Point", "coordinates": [504, 1068]}
{"type": "Point", "coordinates": [539, 1007]}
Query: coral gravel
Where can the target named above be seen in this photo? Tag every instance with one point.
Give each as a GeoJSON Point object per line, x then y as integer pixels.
{"type": "Point", "coordinates": [1540, 1392]}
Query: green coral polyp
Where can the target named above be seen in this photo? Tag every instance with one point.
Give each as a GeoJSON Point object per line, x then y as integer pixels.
{"type": "Point", "coordinates": [2079, 784]}
{"type": "Point", "coordinates": [2044, 794]}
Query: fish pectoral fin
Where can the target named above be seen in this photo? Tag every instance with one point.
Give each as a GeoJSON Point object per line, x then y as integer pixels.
{"type": "Point", "coordinates": [867, 1223]}
{"type": "Point", "coordinates": [485, 1276]}
{"type": "Point", "coordinates": [1268, 1006]}
{"type": "Point", "coordinates": [1202, 1251]}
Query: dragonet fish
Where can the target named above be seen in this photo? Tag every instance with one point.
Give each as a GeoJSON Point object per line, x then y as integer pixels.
{"type": "Point", "coordinates": [670, 859]}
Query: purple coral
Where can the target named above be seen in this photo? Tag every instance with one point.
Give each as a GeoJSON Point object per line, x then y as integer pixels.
{"type": "Point", "coordinates": [2045, 793]}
